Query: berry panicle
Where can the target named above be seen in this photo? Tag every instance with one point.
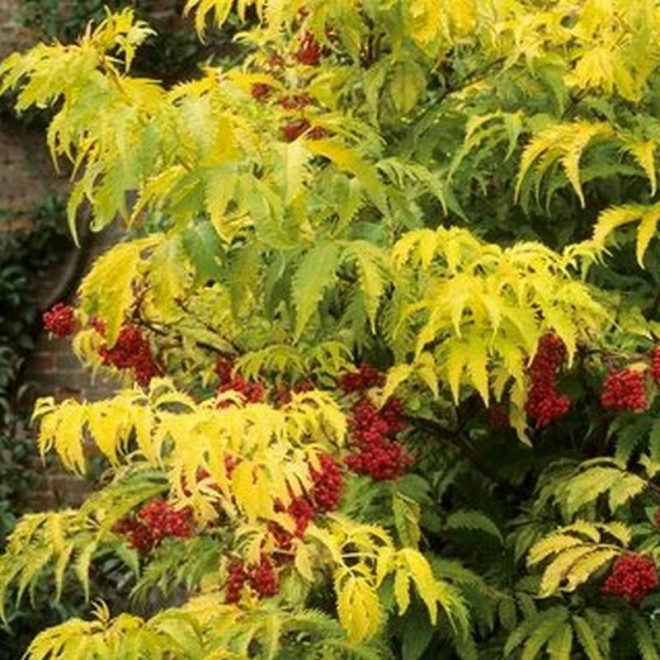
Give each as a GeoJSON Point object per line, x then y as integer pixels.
{"type": "Point", "coordinates": [310, 51]}
{"type": "Point", "coordinates": [328, 484]}
{"type": "Point", "coordinates": [375, 452]}
{"type": "Point", "coordinates": [132, 352]}
{"type": "Point", "coordinates": [624, 390]}
{"type": "Point", "coordinates": [365, 377]}
{"type": "Point", "coordinates": [60, 320]}
{"type": "Point", "coordinates": [632, 578]}
{"type": "Point", "coordinates": [155, 522]}
{"type": "Point", "coordinates": [544, 403]}
{"type": "Point", "coordinates": [262, 578]}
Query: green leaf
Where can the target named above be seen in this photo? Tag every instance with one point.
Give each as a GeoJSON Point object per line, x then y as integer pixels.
{"type": "Point", "coordinates": [417, 634]}
{"type": "Point", "coordinates": [315, 274]}
{"type": "Point", "coordinates": [204, 250]}
{"type": "Point", "coordinates": [406, 520]}
{"type": "Point", "coordinates": [474, 521]}
{"type": "Point", "coordinates": [587, 638]}
{"type": "Point", "coordinates": [646, 643]}
{"type": "Point", "coordinates": [560, 644]}
{"type": "Point", "coordinates": [408, 84]}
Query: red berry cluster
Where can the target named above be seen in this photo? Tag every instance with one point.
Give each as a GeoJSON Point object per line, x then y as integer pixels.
{"type": "Point", "coordinates": [296, 102]}
{"type": "Point", "coordinates": [302, 511]}
{"type": "Point", "coordinates": [655, 364]}
{"type": "Point", "coordinates": [60, 320]}
{"type": "Point", "coordinates": [364, 378]}
{"type": "Point", "coordinates": [624, 390]}
{"type": "Point", "coordinates": [328, 483]}
{"type": "Point", "coordinates": [235, 582]}
{"type": "Point", "coordinates": [375, 452]}
{"type": "Point", "coordinates": [131, 352]}
{"type": "Point", "coordinates": [261, 91]}
{"type": "Point", "coordinates": [293, 129]}
{"type": "Point", "coordinates": [253, 392]}
{"type": "Point", "coordinates": [262, 578]}
{"type": "Point", "coordinates": [324, 496]}
{"type": "Point", "coordinates": [544, 403]}
{"type": "Point", "coordinates": [310, 51]}
{"type": "Point", "coordinates": [632, 577]}
{"type": "Point", "coordinates": [283, 395]}
{"type": "Point", "coordinates": [154, 522]}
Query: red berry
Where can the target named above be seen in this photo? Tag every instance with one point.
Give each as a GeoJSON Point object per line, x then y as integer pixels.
{"type": "Point", "coordinates": [283, 395]}
{"type": "Point", "coordinates": [261, 91]}
{"type": "Point", "coordinates": [632, 578]}
{"type": "Point", "coordinates": [375, 452]}
{"type": "Point", "coordinates": [98, 325]}
{"type": "Point", "coordinates": [154, 522]}
{"type": "Point", "coordinates": [655, 364]}
{"type": "Point", "coordinates": [275, 60]}
{"type": "Point", "coordinates": [132, 351]}
{"type": "Point", "coordinates": [310, 51]}
{"type": "Point", "coordinates": [328, 483]}
{"type": "Point", "coordinates": [263, 578]}
{"type": "Point", "coordinates": [60, 320]}
{"type": "Point", "coordinates": [294, 129]}
{"type": "Point", "coordinates": [235, 582]}
{"type": "Point", "coordinates": [544, 403]}
{"type": "Point", "coordinates": [295, 101]}
{"type": "Point", "coordinates": [224, 367]}
{"type": "Point", "coordinates": [252, 392]}
{"type": "Point", "coordinates": [624, 390]}
{"type": "Point", "coordinates": [364, 378]}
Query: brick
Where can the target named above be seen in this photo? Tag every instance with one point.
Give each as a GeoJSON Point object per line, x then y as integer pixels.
{"type": "Point", "coordinates": [67, 361]}
{"type": "Point", "coordinates": [41, 362]}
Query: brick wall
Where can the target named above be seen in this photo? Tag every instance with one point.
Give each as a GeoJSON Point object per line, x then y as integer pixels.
{"type": "Point", "coordinates": [54, 370]}
{"type": "Point", "coordinates": [26, 176]}
{"type": "Point", "coordinates": [26, 172]}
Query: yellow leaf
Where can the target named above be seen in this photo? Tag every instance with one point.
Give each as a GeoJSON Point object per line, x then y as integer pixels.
{"type": "Point", "coordinates": [646, 231]}
{"type": "Point", "coordinates": [420, 571]}
{"type": "Point", "coordinates": [358, 607]}
{"type": "Point", "coordinates": [458, 355]}
{"type": "Point", "coordinates": [245, 491]}
{"type": "Point", "coordinates": [302, 563]}
{"type": "Point", "coordinates": [402, 590]}
{"type": "Point", "coordinates": [644, 153]}
{"type": "Point", "coordinates": [107, 291]}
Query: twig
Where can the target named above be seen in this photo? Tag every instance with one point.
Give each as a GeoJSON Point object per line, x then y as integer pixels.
{"type": "Point", "coordinates": [458, 440]}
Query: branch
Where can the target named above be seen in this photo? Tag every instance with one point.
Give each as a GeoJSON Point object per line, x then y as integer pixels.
{"type": "Point", "coordinates": [472, 77]}
{"type": "Point", "coordinates": [460, 442]}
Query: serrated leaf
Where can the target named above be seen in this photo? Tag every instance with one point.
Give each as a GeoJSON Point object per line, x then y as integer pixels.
{"type": "Point", "coordinates": [315, 274]}
{"type": "Point", "coordinates": [587, 638]}
{"type": "Point", "coordinates": [474, 521]}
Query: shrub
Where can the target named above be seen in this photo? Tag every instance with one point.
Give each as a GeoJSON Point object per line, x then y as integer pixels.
{"type": "Point", "coordinates": [387, 313]}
